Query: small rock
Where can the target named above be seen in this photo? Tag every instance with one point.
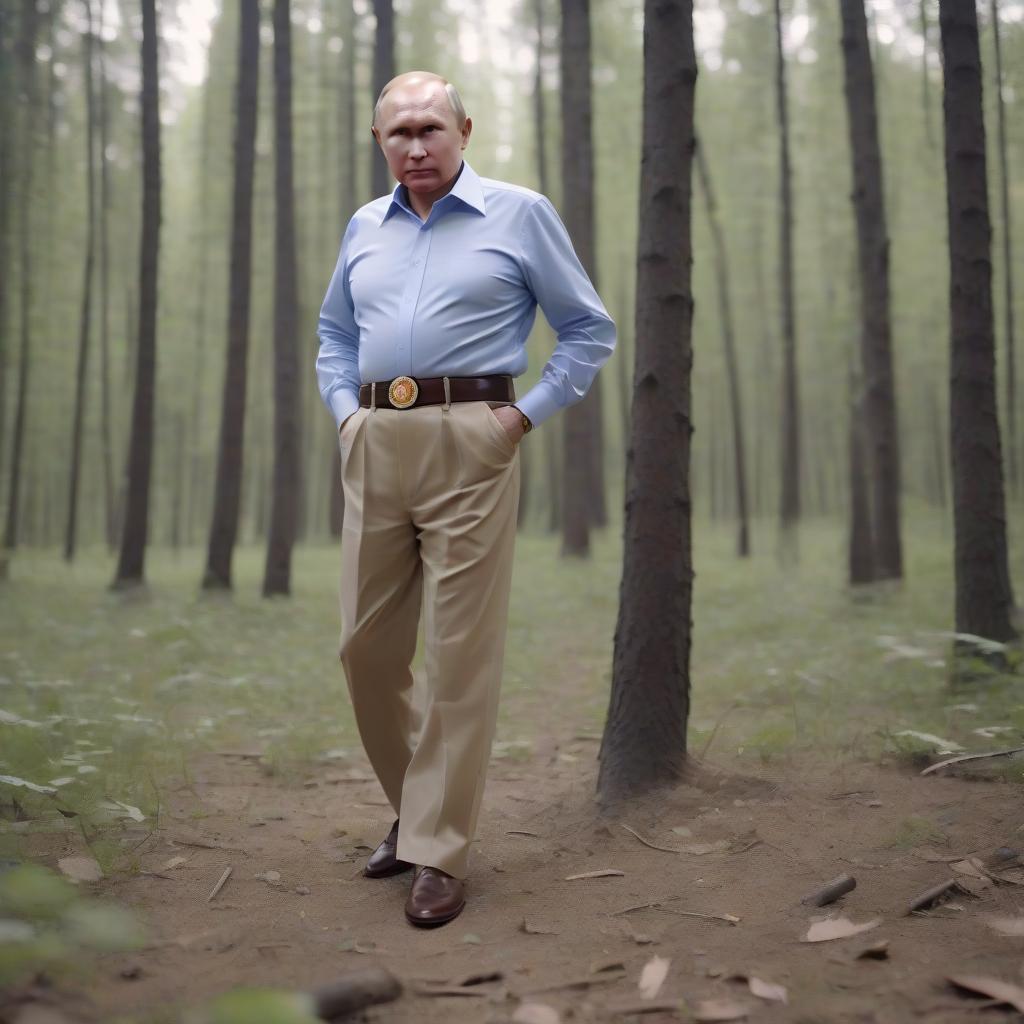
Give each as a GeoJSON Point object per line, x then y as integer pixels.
{"type": "Point", "coordinates": [302, 890]}
{"type": "Point", "coordinates": [131, 972]}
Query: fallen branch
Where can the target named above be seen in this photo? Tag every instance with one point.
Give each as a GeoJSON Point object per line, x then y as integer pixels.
{"type": "Point", "coordinates": [220, 885]}
{"type": "Point", "coordinates": [831, 891]}
{"type": "Point", "coordinates": [583, 982]}
{"type": "Point", "coordinates": [933, 895]}
{"type": "Point", "coordinates": [660, 905]}
{"type": "Point", "coordinates": [971, 757]}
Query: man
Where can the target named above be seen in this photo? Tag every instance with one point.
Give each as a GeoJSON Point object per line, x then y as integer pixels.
{"type": "Point", "coordinates": [422, 330]}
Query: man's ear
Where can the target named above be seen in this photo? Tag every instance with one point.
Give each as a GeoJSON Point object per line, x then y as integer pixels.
{"type": "Point", "coordinates": [376, 134]}
{"type": "Point", "coordinates": [467, 129]}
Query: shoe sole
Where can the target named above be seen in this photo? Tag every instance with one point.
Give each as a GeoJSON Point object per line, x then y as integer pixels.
{"type": "Point", "coordinates": [435, 922]}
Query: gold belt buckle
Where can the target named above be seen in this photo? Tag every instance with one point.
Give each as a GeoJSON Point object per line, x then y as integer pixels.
{"type": "Point", "coordinates": [403, 392]}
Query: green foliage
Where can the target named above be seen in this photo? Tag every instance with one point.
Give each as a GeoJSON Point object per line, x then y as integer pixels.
{"type": "Point", "coordinates": [259, 1006]}
{"type": "Point", "coordinates": [46, 925]}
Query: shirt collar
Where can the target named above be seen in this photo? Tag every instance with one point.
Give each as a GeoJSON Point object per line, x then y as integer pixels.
{"type": "Point", "coordinates": [468, 191]}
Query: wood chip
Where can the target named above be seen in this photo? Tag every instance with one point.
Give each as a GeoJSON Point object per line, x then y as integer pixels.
{"type": "Point", "coordinates": [653, 976]}
{"type": "Point", "coordinates": [931, 896]}
{"type": "Point", "coordinates": [521, 832]}
{"type": "Point", "coordinates": [708, 1011]}
{"type": "Point", "coordinates": [601, 873]}
{"type": "Point", "coordinates": [1003, 991]}
{"type": "Point", "coordinates": [220, 885]}
{"type": "Point", "coordinates": [837, 928]}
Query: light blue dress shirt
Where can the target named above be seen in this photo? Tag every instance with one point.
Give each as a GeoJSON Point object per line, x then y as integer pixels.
{"type": "Point", "coordinates": [456, 295]}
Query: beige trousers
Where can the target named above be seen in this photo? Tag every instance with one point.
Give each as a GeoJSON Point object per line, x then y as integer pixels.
{"type": "Point", "coordinates": [430, 516]}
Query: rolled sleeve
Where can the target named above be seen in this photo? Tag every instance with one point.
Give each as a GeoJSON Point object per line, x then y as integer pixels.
{"type": "Point", "coordinates": [585, 332]}
{"type": "Point", "coordinates": [337, 364]}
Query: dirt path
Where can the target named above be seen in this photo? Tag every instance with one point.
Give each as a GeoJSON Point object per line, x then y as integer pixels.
{"type": "Point", "coordinates": [765, 848]}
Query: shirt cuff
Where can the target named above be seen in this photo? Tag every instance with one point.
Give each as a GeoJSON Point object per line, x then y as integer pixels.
{"type": "Point", "coordinates": [343, 404]}
{"type": "Point", "coordinates": [538, 404]}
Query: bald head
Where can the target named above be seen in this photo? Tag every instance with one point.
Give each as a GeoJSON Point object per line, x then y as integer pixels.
{"type": "Point", "coordinates": [419, 87]}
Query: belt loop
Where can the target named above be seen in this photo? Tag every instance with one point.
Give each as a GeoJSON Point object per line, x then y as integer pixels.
{"type": "Point", "coordinates": [447, 394]}
{"type": "Point", "coordinates": [373, 396]}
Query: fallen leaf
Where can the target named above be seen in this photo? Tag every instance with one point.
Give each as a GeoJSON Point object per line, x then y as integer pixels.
{"type": "Point", "coordinates": [932, 740]}
{"type": "Point", "coordinates": [174, 862]}
{"type": "Point", "coordinates": [13, 780]}
{"type": "Point", "coordinates": [536, 1013]}
{"type": "Point", "coordinates": [80, 869]}
{"type": "Point", "coordinates": [975, 886]}
{"type": "Point", "coordinates": [1003, 991]}
{"type": "Point", "coordinates": [971, 867]}
{"type": "Point", "coordinates": [602, 873]}
{"type": "Point", "coordinates": [708, 1010]}
{"type": "Point", "coordinates": [700, 849]}
{"type": "Point", "coordinates": [653, 976]}
{"type": "Point", "coordinates": [876, 951]}
{"type": "Point", "coordinates": [767, 990]}
{"type": "Point", "coordinates": [1007, 925]}
{"type": "Point", "coordinates": [837, 928]}
{"type": "Point", "coordinates": [535, 929]}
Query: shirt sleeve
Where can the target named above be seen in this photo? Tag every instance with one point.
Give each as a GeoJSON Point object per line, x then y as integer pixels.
{"type": "Point", "coordinates": [337, 364]}
{"type": "Point", "coordinates": [586, 333]}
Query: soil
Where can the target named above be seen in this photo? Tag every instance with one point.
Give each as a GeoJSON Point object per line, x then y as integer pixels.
{"type": "Point", "coordinates": [754, 848]}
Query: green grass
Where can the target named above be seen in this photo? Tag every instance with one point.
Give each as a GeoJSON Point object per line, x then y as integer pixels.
{"type": "Point", "coordinates": [125, 689]}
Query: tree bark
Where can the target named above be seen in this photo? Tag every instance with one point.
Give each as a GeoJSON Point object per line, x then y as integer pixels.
{"type": "Point", "coordinates": [1006, 218]}
{"type": "Point", "coordinates": [7, 136]}
{"type": "Point", "coordinates": [984, 600]}
{"type": "Point", "coordinates": [286, 471]}
{"type": "Point", "coordinates": [644, 742]}
{"type": "Point", "coordinates": [230, 453]}
{"type": "Point", "coordinates": [731, 363]}
{"type": "Point", "coordinates": [581, 503]}
{"type": "Point", "coordinates": [26, 58]}
{"type": "Point", "coordinates": [789, 497]}
{"type": "Point", "coordinates": [85, 312]}
{"type": "Point", "coordinates": [132, 558]}
{"type": "Point", "coordinates": [879, 398]}
{"type": "Point", "coordinates": [383, 72]}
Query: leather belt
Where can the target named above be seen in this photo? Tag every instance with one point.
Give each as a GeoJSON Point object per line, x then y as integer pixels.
{"type": "Point", "coordinates": [407, 392]}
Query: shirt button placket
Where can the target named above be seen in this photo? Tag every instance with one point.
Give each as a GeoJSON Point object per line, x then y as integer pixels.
{"type": "Point", "coordinates": [410, 300]}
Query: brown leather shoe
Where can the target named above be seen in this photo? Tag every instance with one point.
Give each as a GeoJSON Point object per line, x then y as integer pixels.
{"type": "Point", "coordinates": [384, 860]}
{"type": "Point", "coordinates": [436, 898]}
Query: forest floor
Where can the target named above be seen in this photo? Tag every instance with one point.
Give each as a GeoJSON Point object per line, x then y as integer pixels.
{"type": "Point", "coordinates": [225, 723]}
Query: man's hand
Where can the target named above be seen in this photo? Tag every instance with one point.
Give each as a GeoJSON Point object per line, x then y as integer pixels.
{"type": "Point", "coordinates": [512, 420]}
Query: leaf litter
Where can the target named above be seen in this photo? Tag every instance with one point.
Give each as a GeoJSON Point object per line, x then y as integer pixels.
{"type": "Point", "coordinates": [837, 928]}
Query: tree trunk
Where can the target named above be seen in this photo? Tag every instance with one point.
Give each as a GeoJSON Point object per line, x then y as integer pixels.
{"type": "Point", "coordinates": [131, 562]}
{"type": "Point", "coordinates": [984, 600]}
{"type": "Point", "coordinates": [349, 203]}
{"type": "Point", "coordinates": [286, 475]}
{"type": "Point", "coordinates": [228, 486]}
{"type": "Point", "coordinates": [879, 398]}
{"type": "Point", "coordinates": [789, 497]}
{"type": "Point", "coordinates": [644, 743]}
{"type": "Point", "coordinates": [581, 433]}
{"type": "Point", "coordinates": [926, 91]}
{"type": "Point", "coordinates": [731, 364]}
{"type": "Point", "coordinates": [106, 398]}
{"type": "Point", "coordinates": [1005, 217]}
{"type": "Point", "coordinates": [26, 59]}
{"type": "Point", "coordinates": [85, 317]}
{"type": "Point", "coordinates": [383, 72]}
{"type": "Point", "coordinates": [7, 138]}
{"type": "Point", "coordinates": [860, 551]}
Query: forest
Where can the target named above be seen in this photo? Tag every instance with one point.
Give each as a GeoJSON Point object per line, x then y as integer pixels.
{"type": "Point", "coordinates": [762, 605]}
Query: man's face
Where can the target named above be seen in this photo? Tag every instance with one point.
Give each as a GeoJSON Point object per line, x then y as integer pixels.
{"type": "Point", "coordinates": [423, 144]}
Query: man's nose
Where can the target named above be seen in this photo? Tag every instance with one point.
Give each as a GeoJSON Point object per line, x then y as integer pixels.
{"type": "Point", "coordinates": [417, 150]}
